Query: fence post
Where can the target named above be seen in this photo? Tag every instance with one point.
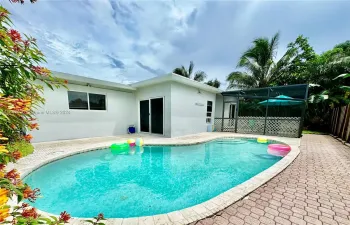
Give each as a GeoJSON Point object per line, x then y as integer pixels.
{"type": "Point", "coordinates": [267, 109]}
{"type": "Point", "coordinates": [346, 118]}
{"type": "Point", "coordinates": [332, 121]}
{"type": "Point", "coordinates": [335, 128]}
{"type": "Point", "coordinates": [237, 108]}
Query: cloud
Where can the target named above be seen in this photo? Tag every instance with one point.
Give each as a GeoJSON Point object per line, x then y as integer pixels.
{"type": "Point", "coordinates": [115, 63]}
{"type": "Point", "coordinates": [128, 41]}
{"type": "Point", "coordinates": [156, 72]}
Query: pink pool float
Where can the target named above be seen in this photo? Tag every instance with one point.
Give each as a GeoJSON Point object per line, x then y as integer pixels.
{"type": "Point", "coordinates": [278, 149]}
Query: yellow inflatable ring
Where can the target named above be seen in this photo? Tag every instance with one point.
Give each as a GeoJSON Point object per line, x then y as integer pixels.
{"type": "Point", "coordinates": [262, 140]}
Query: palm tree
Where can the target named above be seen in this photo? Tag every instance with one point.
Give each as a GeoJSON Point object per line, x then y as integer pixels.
{"type": "Point", "coordinates": [198, 76]}
{"type": "Point", "coordinates": [260, 70]}
{"type": "Point", "coordinates": [214, 83]}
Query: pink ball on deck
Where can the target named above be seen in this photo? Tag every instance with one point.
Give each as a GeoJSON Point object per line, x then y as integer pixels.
{"type": "Point", "coordinates": [132, 144]}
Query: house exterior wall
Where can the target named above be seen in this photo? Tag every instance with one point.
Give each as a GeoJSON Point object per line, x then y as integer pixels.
{"type": "Point", "coordinates": [189, 109]}
{"type": "Point", "coordinates": [156, 91]}
{"type": "Point", "coordinates": [58, 122]}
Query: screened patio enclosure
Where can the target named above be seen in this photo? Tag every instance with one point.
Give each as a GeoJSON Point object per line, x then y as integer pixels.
{"type": "Point", "coordinates": [277, 111]}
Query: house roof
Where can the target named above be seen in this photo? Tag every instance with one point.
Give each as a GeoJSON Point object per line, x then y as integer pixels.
{"type": "Point", "coordinates": [86, 81]}
{"type": "Point", "coordinates": [176, 78]}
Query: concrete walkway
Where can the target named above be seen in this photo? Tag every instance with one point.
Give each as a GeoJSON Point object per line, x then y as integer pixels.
{"type": "Point", "coordinates": [314, 189]}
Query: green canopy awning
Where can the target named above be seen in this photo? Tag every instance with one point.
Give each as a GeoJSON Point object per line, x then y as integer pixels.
{"type": "Point", "coordinates": [281, 100]}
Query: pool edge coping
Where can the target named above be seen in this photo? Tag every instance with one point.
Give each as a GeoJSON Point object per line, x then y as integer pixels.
{"type": "Point", "coordinates": [204, 209]}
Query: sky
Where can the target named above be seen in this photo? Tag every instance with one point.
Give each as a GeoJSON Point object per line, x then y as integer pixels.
{"type": "Point", "coordinates": [129, 41]}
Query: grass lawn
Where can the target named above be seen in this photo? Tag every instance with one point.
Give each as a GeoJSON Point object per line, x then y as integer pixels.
{"type": "Point", "coordinates": [313, 132]}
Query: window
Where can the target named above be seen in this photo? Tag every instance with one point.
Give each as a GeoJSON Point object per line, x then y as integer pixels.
{"type": "Point", "coordinates": [209, 111]}
{"type": "Point", "coordinates": [85, 101]}
{"type": "Point", "coordinates": [97, 102]}
{"type": "Point", "coordinates": [77, 100]}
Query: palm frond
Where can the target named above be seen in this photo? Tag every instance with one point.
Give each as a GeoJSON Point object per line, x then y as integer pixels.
{"type": "Point", "coordinates": [345, 75]}
{"type": "Point", "coordinates": [240, 78]}
{"type": "Point", "coordinates": [274, 45]}
{"type": "Point", "coordinates": [190, 69]}
{"type": "Point", "coordinates": [180, 71]}
{"type": "Point", "coordinates": [200, 76]}
{"type": "Point", "coordinates": [214, 83]}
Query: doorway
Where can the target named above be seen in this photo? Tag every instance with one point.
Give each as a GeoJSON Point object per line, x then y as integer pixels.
{"type": "Point", "coordinates": [152, 116]}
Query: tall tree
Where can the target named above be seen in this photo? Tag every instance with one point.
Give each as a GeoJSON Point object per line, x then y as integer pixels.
{"type": "Point", "coordinates": [260, 68]}
{"type": "Point", "coordinates": [214, 83]}
{"type": "Point", "coordinates": [198, 76]}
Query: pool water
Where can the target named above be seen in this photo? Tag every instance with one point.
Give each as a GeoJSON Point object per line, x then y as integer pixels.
{"type": "Point", "coordinates": [149, 180]}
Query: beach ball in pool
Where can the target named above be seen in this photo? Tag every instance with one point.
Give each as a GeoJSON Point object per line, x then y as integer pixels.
{"type": "Point", "coordinates": [139, 142]}
{"type": "Point", "coordinates": [130, 141]}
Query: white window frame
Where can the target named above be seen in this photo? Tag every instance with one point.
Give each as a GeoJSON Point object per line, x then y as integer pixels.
{"type": "Point", "coordinates": [209, 118]}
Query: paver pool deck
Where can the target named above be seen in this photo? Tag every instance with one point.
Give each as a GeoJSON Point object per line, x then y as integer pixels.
{"type": "Point", "coordinates": [314, 189]}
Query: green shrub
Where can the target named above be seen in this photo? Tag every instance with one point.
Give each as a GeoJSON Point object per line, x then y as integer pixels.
{"type": "Point", "coordinates": [23, 146]}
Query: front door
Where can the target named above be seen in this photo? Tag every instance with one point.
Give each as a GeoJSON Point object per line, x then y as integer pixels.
{"type": "Point", "coordinates": [144, 116]}
{"type": "Point", "coordinates": [157, 115]}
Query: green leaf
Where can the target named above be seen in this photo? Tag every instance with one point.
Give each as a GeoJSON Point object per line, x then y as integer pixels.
{"type": "Point", "coordinates": [346, 88]}
{"type": "Point", "coordinates": [19, 198]}
{"type": "Point", "coordinates": [344, 75]}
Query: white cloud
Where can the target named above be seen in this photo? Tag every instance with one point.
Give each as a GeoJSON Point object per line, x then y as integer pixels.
{"type": "Point", "coordinates": [105, 39]}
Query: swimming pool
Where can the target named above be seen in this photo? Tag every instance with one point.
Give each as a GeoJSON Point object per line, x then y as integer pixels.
{"type": "Point", "coordinates": [149, 180]}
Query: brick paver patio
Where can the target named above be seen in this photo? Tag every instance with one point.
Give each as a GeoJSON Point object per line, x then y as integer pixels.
{"type": "Point", "coordinates": [314, 189]}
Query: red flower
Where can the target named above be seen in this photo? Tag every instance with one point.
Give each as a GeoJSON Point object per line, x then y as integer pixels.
{"type": "Point", "coordinates": [17, 48]}
{"type": "Point", "coordinates": [28, 137]}
{"type": "Point", "coordinates": [30, 194]}
{"type": "Point", "coordinates": [13, 176]}
{"type": "Point", "coordinates": [30, 213]}
{"type": "Point", "coordinates": [34, 126]}
{"type": "Point", "coordinates": [3, 14]}
{"type": "Point", "coordinates": [64, 217]}
{"type": "Point", "coordinates": [16, 155]}
{"type": "Point", "coordinates": [41, 70]}
{"type": "Point", "coordinates": [26, 43]}
{"type": "Point", "coordinates": [100, 217]}
{"type": "Point", "coordinates": [25, 205]}
{"type": "Point", "coordinates": [14, 35]}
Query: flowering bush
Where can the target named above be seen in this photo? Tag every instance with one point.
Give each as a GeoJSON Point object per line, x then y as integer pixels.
{"type": "Point", "coordinates": [20, 93]}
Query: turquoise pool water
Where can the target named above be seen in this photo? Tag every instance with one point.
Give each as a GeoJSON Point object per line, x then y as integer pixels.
{"type": "Point", "coordinates": [149, 180]}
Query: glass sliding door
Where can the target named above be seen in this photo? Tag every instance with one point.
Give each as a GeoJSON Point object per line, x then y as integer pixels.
{"type": "Point", "coordinates": [144, 116]}
{"type": "Point", "coordinates": [157, 115]}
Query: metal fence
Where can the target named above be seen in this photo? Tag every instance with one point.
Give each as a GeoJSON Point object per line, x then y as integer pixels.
{"type": "Point", "coordinates": [340, 123]}
{"type": "Point", "coordinates": [276, 111]}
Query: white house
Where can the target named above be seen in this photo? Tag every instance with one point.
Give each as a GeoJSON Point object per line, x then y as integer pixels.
{"type": "Point", "coordinates": [169, 105]}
